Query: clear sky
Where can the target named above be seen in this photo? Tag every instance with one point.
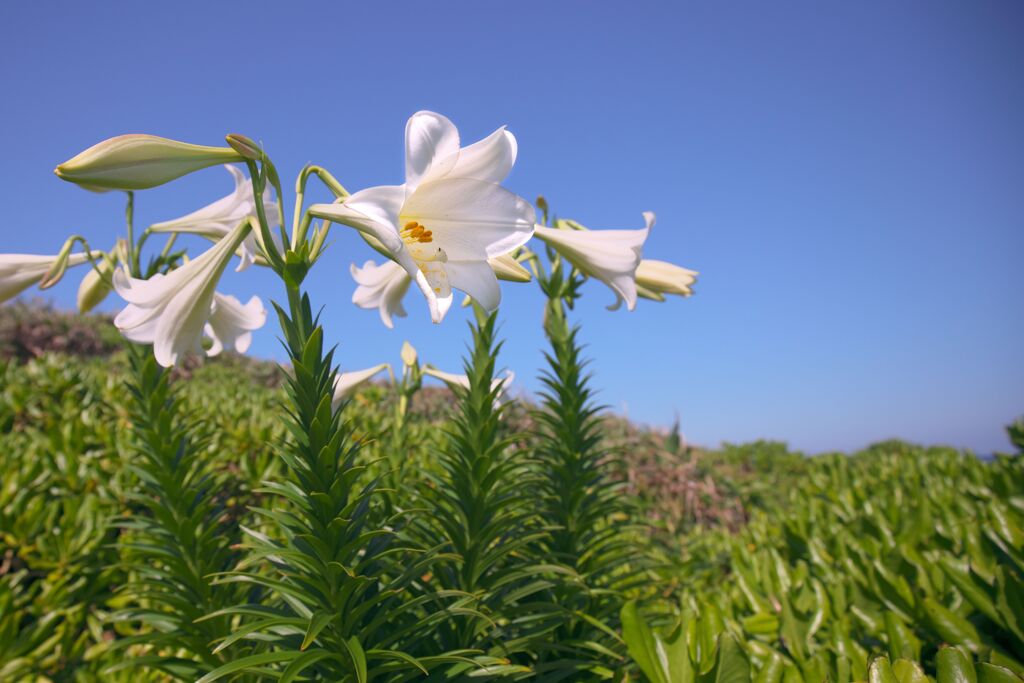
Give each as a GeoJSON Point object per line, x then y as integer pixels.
{"type": "Point", "coordinates": [848, 178]}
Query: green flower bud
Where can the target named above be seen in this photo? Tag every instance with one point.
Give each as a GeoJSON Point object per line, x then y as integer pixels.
{"type": "Point", "coordinates": [138, 162]}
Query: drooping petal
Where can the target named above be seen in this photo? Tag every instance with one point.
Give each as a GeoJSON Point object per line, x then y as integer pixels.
{"type": "Point", "coordinates": [431, 147]}
{"type": "Point", "coordinates": [347, 382]}
{"type": "Point", "coordinates": [453, 380]}
{"type": "Point", "coordinates": [231, 323]}
{"type": "Point", "coordinates": [373, 211]}
{"type": "Point", "coordinates": [476, 279]}
{"type": "Point", "coordinates": [471, 220]}
{"type": "Point", "coordinates": [489, 159]}
{"type": "Point", "coordinates": [457, 381]}
{"type": "Point", "coordinates": [611, 256]}
{"type": "Point", "coordinates": [432, 279]}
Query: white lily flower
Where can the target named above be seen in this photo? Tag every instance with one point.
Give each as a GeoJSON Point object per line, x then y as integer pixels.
{"type": "Point", "coordinates": [381, 287]}
{"type": "Point", "coordinates": [171, 311]}
{"type": "Point", "coordinates": [384, 286]}
{"type": "Point", "coordinates": [18, 272]}
{"type": "Point", "coordinates": [231, 323]}
{"type": "Point", "coordinates": [501, 384]}
{"type": "Point", "coordinates": [611, 256]}
{"type": "Point", "coordinates": [217, 219]}
{"type": "Point", "coordinates": [663, 277]}
{"type": "Point", "coordinates": [449, 217]}
{"type": "Point", "coordinates": [345, 383]}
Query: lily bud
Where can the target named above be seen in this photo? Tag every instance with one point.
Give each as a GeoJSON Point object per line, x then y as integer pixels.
{"type": "Point", "coordinates": [95, 286]}
{"type": "Point", "coordinates": [509, 269]}
{"type": "Point", "coordinates": [244, 146]}
{"type": "Point", "coordinates": [138, 162]}
{"type": "Point", "coordinates": [662, 277]}
{"type": "Point", "coordinates": [408, 355]}
{"type": "Point", "coordinates": [18, 272]}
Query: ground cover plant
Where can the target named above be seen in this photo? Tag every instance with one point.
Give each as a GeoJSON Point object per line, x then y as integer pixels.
{"type": "Point", "coordinates": [165, 518]}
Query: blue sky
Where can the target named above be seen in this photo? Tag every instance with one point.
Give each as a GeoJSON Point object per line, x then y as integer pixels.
{"type": "Point", "coordinates": [848, 178]}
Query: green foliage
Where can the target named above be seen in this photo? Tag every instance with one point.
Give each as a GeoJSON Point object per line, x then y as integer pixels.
{"type": "Point", "coordinates": [897, 550]}
{"type": "Point", "coordinates": [479, 506]}
{"type": "Point", "coordinates": [585, 512]}
{"type": "Point", "coordinates": [178, 536]}
{"type": "Point", "coordinates": [503, 540]}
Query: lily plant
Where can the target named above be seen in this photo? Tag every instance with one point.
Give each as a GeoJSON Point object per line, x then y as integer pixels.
{"type": "Point", "coordinates": [343, 596]}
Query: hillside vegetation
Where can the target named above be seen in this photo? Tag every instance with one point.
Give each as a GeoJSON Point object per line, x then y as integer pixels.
{"type": "Point", "coordinates": [761, 564]}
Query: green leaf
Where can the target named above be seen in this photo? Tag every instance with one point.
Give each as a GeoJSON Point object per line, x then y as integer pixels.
{"type": "Point", "coordinates": [908, 671]}
{"type": "Point", "coordinates": [991, 673]}
{"type": "Point", "coordinates": [879, 671]}
{"type": "Point", "coordinates": [731, 664]}
{"type": "Point", "coordinates": [953, 666]}
{"type": "Point", "coordinates": [643, 645]}
{"type": "Point", "coordinates": [249, 663]}
{"type": "Point", "coordinates": [317, 623]}
{"type": "Point", "coordinates": [950, 626]}
{"type": "Point", "coordinates": [355, 651]}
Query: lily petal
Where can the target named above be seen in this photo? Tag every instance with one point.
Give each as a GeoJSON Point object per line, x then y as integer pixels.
{"type": "Point", "coordinates": [381, 287]}
{"type": "Point", "coordinates": [476, 279]}
{"type": "Point", "coordinates": [231, 323]}
{"type": "Point", "coordinates": [346, 383]}
{"type": "Point", "coordinates": [490, 159]}
{"type": "Point", "coordinates": [373, 211]}
{"type": "Point", "coordinates": [431, 147]}
{"type": "Point", "coordinates": [472, 220]}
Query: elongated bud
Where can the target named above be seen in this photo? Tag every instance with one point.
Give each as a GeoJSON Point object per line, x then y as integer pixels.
{"type": "Point", "coordinates": [138, 162]}
{"type": "Point", "coordinates": [508, 269]}
{"type": "Point", "coordinates": [60, 264]}
{"type": "Point", "coordinates": [642, 291]}
{"type": "Point", "coordinates": [408, 355]}
{"type": "Point", "coordinates": [244, 146]}
{"type": "Point", "coordinates": [96, 285]}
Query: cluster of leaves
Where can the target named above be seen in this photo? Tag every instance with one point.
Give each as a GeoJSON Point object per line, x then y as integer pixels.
{"type": "Point", "coordinates": [895, 550]}
{"type": "Point", "coordinates": [154, 529]}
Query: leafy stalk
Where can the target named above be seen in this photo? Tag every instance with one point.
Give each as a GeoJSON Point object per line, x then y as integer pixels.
{"type": "Point", "coordinates": [480, 507]}
{"type": "Point", "coordinates": [585, 507]}
{"type": "Point", "coordinates": [182, 539]}
{"type": "Point", "coordinates": [343, 609]}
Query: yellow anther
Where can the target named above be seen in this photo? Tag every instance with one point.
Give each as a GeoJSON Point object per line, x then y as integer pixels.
{"type": "Point", "coordinates": [417, 231]}
{"type": "Point", "coordinates": [410, 225]}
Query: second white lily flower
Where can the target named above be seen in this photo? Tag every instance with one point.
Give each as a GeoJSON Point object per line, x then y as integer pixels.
{"type": "Point", "coordinates": [172, 311]}
{"type": "Point", "coordinates": [611, 256]}
{"type": "Point", "coordinates": [216, 220]}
